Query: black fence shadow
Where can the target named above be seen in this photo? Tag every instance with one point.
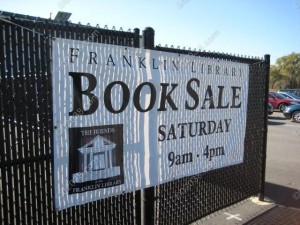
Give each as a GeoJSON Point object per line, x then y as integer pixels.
{"type": "Point", "coordinates": [278, 215]}
{"type": "Point", "coordinates": [275, 120]}
{"type": "Point", "coordinates": [274, 123]}
{"type": "Point", "coordinates": [282, 195]}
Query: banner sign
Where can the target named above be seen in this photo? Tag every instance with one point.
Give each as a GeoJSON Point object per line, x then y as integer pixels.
{"type": "Point", "coordinates": [129, 118]}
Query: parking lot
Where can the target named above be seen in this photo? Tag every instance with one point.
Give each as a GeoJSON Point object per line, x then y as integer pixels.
{"type": "Point", "coordinates": [283, 161]}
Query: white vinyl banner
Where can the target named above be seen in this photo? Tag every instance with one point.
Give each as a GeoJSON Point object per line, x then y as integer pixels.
{"type": "Point", "coordinates": [129, 118]}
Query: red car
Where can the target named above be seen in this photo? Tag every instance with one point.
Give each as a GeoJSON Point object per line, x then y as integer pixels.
{"type": "Point", "coordinates": [278, 101]}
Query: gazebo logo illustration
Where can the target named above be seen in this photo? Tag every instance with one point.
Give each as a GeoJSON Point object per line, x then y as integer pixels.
{"type": "Point", "coordinates": [96, 160]}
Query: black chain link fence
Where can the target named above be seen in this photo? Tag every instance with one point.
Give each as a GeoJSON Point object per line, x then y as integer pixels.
{"type": "Point", "coordinates": [26, 154]}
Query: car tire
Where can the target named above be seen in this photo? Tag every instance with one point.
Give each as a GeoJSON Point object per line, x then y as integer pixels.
{"type": "Point", "coordinates": [282, 107]}
{"type": "Point", "coordinates": [296, 116]}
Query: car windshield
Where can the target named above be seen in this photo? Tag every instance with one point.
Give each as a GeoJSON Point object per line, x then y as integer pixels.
{"type": "Point", "coordinates": [294, 96]}
{"type": "Point", "coordinates": [287, 95]}
{"type": "Point", "coordinates": [278, 95]}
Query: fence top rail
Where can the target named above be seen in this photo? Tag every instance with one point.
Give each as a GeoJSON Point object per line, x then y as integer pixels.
{"type": "Point", "coordinates": [38, 20]}
{"type": "Point", "coordinates": [215, 55]}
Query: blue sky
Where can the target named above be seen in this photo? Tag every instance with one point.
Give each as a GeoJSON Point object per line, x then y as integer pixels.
{"type": "Point", "coordinates": [245, 27]}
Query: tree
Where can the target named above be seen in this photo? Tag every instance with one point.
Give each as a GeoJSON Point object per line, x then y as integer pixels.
{"type": "Point", "coordinates": [276, 78]}
{"type": "Point", "coordinates": [289, 67]}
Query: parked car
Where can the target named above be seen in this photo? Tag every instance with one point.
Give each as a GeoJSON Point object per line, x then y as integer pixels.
{"type": "Point", "coordinates": [292, 112]}
{"type": "Point", "coordinates": [293, 91]}
{"type": "Point", "coordinates": [270, 109]}
{"type": "Point", "coordinates": [289, 95]}
{"type": "Point", "coordinates": [278, 101]}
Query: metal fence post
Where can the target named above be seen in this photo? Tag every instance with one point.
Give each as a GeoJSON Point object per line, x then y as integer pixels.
{"type": "Point", "coordinates": [148, 38]}
{"type": "Point", "coordinates": [264, 152]}
{"type": "Point", "coordinates": [136, 41]}
{"type": "Point", "coordinates": [148, 194]}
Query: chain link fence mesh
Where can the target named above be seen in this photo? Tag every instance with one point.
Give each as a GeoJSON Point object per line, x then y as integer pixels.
{"type": "Point", "coordinates": [26, 164]}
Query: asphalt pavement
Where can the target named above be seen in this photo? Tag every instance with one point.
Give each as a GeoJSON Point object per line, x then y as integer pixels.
{"type": "Point", "coordinates": [282, 187]}
{"type": "Point", "coordinates": [283, 161]}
